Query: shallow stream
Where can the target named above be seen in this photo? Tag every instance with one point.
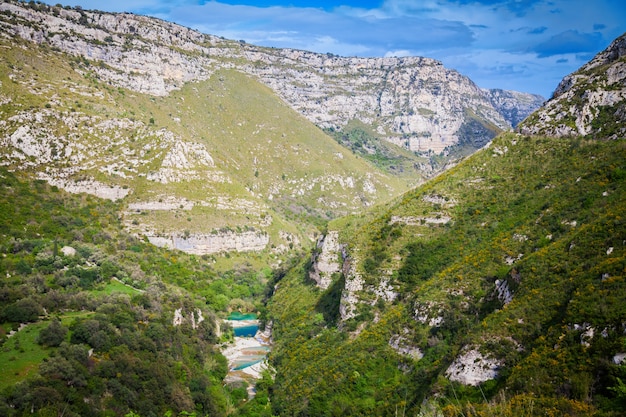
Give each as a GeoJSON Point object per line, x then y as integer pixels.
{"type": "Point", "coordinates": [246, 356]}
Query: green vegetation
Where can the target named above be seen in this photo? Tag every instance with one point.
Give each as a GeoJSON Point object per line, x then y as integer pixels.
{"type": "Point", "coordinates": [543, 215]}
{"type": "Point", "coordinates": [21, 355]}
{"type": "Point", "coordinates": [241, 146]}
{"type": "Point", "coordinates": [362, 141]}
{"type": "Point", "coordinates": [98, 306]}
{"type": "Point", "coordinates": [608, 121]}
{"type": "Point", "coordinates": [516, 255]}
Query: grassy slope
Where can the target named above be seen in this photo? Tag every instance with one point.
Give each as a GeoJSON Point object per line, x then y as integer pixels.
{"type": "Point", "coordinates": [269, 147]}
{"type": "Point", "coordinates": [363, 141]}
{"type": "Point", "coordinates": [557, 203]}
{"type": "Point", "coordinates": [21, 355]}
{"type": "Point", "coordinates": [269, 158]}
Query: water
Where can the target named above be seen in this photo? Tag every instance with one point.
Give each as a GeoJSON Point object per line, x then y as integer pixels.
{"type": "Point", "coordinates": [244, 365]}
{"type": "Point", "coordinates": [249, 356]}
{"type": "Point", "coordinates": [251, 348]}
{"type": "Point", "coordinates": [246, 326]}
{"type": "Point", "coordinates": [246, 331]}
{"type": "Point", "coordinates": [235, 315]}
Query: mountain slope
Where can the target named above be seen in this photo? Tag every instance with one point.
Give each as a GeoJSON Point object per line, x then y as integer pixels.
{"type": "Point", "coordinates": [513, 105]}
{"type": "Point", "coordinates": [186, 164]}
{"type": "Point", "coordinates": [505, 279]}
{"type": "Point", "coordinates": [589, 102]}
{"type": "Point", "coordinates": [496, 288]}
{"type": "Point", "coordinates": [87, 310]}
{"type": "Point", "coordinates": [412, 102]}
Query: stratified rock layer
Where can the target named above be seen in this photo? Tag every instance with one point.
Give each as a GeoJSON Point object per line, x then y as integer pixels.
{"type": "Point", "coordinates": [412, 101]}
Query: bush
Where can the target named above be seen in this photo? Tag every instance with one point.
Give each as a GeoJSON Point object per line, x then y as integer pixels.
{"type": "Point", "coordinates": [22, 311]}
{"type": "Point", "coordinates": [53, 335]}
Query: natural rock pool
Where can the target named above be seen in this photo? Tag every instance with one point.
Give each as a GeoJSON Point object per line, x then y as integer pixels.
{"type": "Point", "coordinates": [246, 356]}
{"type": "Point", "coordinates": [246, 330]}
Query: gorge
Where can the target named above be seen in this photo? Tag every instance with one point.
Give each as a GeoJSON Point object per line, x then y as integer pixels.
{"type": "Point", "coordinates": [191, 225]}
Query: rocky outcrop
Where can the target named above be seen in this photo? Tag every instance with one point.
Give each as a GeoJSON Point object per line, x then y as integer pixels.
{"type": "Point", "coordinates": [473, 368]}
{"type": "Point", "coordinates": [503, 291]}
{"type": "Point", "coordinates": [413, 102]}
{"type": "Point", "coordinates": [327, 260]}
{"type": "Point", "coordinates": [193, 318]}
{"type": "Point", "coordinates": [89, 186]}
{"type": "Point", "coordinates": [356, 291]}
{"type": "Point", "coordinates": [63, 146]}
{"type": "Point", "coordinates": [186, 161]}
{"type": "Point", "coordinates": [202, 244]}
{"type": "Point", "coordinates": [349, 295]}
{"type": "Point", "coordinates": [68, 251]}
{"type": "Point", "coordinates": [415, 220]}
{"type": "Point", "coordinates": [403, 346]}
{"type": "Point", "coordinates": [589, 102]}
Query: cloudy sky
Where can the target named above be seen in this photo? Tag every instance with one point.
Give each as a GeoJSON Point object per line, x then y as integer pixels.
{"type": "Point", "coordinates": [524, 45]}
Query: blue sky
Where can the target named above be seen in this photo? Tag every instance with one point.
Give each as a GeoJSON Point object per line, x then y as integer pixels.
{"type": "Point", "coordinates": [524, 45]}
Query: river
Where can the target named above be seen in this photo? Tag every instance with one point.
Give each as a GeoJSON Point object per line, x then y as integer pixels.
{"type": "Point", "coordinates": [247, 355]}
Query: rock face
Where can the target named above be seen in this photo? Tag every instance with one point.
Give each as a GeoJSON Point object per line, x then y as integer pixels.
{"type": "Point", "coordinates": [193, 317]}
{"type": "Point", "coordinates": [514, 106]}
{"type": "Point", "coordinates": [183, 129]}
{"type": "Point", "coordinates": [332, 257]}
{"type": "Point", "coordinates": [214, 243]}
{"type": "Point", "coordinates": [328, 261]}
{"type": "Point", "coordinates": [404, 347]}
{"type": "Point", "coordinates": [589, 102]}
{"type": "Point", "coordinates": [350, 294]}
{"type": "Point", "coordinates": [356, 291]}
{"type": "Point", "coordinates": [413, 102]}
{"type": "Point", "coordinates": [472, 368]}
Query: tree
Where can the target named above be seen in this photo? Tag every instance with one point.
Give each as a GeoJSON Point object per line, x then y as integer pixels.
{"type": "Point", "coordinates": [53, 335]}
{"type": "Point", "coordinates": [22, 311]}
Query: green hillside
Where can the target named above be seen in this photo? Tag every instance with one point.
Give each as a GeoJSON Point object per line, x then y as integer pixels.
{"type": "Point", "coordinates": [222, 155]}
{"type": "Point", "coordinates": [544, 216]}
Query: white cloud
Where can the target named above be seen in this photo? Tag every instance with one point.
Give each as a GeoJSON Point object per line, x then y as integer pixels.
{"type": "Point", "coordinates": [399, 53]}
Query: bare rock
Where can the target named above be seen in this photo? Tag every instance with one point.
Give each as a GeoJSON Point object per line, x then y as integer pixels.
{"type": "Point", "coordinates": [588, 102]}
{"type": "Point", "coordinates": [472, 368]}
{"type": "Point", "coordinates": [328, 260]}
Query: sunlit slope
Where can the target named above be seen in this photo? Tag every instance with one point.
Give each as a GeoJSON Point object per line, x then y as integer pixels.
{"type": "Point", "coordinates": [220, 154]}
{"type": "Point", "coordinates": [504, 273]}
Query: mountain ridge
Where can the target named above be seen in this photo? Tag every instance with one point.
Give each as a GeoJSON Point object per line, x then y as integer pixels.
{"type": "Point", "coordinates": [186, 163]}
{"type": "Point", "coordinates": [589, 102]}
{"type": "Point", "coordinates": [177, 125]}
{"type": "Point", "coordinates": [497, 287]}
{"type": "Point", "coordinates": [414, 102]}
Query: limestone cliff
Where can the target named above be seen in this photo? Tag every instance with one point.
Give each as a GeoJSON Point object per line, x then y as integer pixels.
{"type": "Point", "coordinates": [199, 244]}
{"type": "Point", "coordinates": [200, 157]}
{"type": "Point", "coordinates": [413, 102]}
{"type": "Point", "coordinates": [327, 260]}
{"type": "Point", "coordinates": [188, 131]}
